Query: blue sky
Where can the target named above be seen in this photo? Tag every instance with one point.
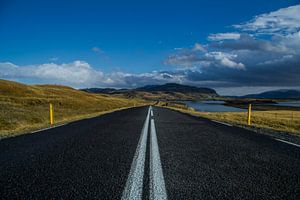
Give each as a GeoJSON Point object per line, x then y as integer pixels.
{"type": "Point", "coordinates": [133, 43]}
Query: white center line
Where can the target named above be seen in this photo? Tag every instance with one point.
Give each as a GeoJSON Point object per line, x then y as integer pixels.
{"type": "Point", "coordinates": [134, 184]}
{"type": "Point", "coordinates": [157, 182]}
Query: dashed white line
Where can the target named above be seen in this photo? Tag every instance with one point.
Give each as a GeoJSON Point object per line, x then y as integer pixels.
{"type": "Point", "coordinates": [222, 123]}
{"type": "Point", "coordinates": [134, 183]}
{"type": "Point", "coordinates": [297, 145]}
{"type": "Point", "coordinates": [157, 182]}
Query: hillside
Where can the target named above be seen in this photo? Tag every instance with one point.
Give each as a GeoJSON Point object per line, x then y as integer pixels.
{"type": "Point", "coordinates": [103, 90]}
{"type": "Point", "coordinates": [169, 92]}
{"type": "Point", "coordinates": [24, 107]}
{"type": "Point", "coordinates": [276, 94]}
{"type": "Point", "coordinates": [173, 87]}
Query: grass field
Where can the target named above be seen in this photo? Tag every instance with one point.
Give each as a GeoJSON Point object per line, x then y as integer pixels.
{"type": "Point", "coordinates": [24, 108]}
{"type": "Point", "coordinates": [279, 120]}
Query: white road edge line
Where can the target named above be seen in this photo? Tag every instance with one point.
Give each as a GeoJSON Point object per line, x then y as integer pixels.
{"type": "Point", "coordinates": [157, 182]}
{"type": "Point", "coordinates": [44, 129]}
{"type": "Point", "coordinates": [151, 112]}
{"type": "Point", "coordinates": [134, 183]}
{"type": "Point", "coordinates": [222, 123]}
{"type": "Point", "coordinates": [297, 145]}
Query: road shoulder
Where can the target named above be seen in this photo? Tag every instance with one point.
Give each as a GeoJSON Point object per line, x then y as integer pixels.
{"type": "Point", "coordinates": [277, 135]}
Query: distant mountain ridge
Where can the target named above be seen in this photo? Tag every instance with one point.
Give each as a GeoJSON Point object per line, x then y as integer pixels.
{"type": "Point", "coordinates": [101, 90]}
{"type": "Point", "coordinates": [275, 94]}
{"type": "Point", "coordinates": [168, 91]}
{"type": "Point", "coordinates": [174, 87]}
{"type": "Point", "coordinates": [168, 87]}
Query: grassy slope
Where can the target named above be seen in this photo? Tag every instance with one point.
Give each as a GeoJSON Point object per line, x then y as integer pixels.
{"type": "Point", "coordinates": [279, 120]}
{"type": "Point", "coordinates": [24, 107]}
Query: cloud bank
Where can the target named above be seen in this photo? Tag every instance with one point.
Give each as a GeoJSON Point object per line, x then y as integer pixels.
{"type": "Point", "coordinates": [282, 21]}
{"type": "Point", "coordinates": [224, 36]}
{"type": "Point", "coordinates": [264, 52]}
{"type": "Point", "coordinates": [80, 74]}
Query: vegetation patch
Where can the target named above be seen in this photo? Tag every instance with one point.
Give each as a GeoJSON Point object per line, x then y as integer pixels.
{"type": "Point", "coordinates": [24, 108]}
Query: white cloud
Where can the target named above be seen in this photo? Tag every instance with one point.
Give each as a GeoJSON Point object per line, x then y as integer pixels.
{"type": "Point", "coordinates": [282, 59]}
{"type": "Point", "coordinates": [265, 52]}
{"type": "Point", "coordinates": [76, 74]}
{"type": "Point", "coordinates": [97, 50]}
{"type": "Point", "coordinates": [225, 59]}
{"type": "Point", "coordinates": [290, 41]}
{"type": "Point", "coordinates": [8, 69]}
{"type": "Point", "coordinates": [199, 47]}
{"type": "Point", "coordinates": [282, 21]}
{"type": "Point", "coordinates": [224, 36]}
{"type": "Point", "coordinates": [191, 60]}
{"type": "Point", "coordinates": [236, 50]}
{"type": "Point", "coordinates": [182, 60]}
{"type": "Point", "coordinates": [80, 74]}
{"type": "Point", "coordinates": [276, 44]}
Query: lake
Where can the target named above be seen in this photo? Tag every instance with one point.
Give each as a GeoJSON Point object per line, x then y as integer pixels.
{"type": "Point", "coordinates": [289, 103]}
{"type": "Point", "coordinates": [217, 106]}
{"type": "Point", "coordinates": [212, 106]}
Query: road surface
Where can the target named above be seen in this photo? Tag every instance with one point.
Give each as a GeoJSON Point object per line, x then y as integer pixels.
{"type": "Point", "coordinates": [148, 153]}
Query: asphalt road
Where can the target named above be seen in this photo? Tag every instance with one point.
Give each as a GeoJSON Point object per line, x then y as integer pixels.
{"type": "Point", "coordinates": [143, 153]}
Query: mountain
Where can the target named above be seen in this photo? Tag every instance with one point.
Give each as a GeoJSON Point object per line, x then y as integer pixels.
{"type": "Point", "coordinates": [174, 87]}
{"type": "Point", "coordinates": [100, 90]}
{"type": "Point", "coordinates": [168, 91]}
{"type": "Point", "coordinates": [276, 94]}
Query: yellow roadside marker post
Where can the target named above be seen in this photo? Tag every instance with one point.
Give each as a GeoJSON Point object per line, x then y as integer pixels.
{"type": "Point", "coordinates": [249, 115]}
{"type": "Point", "coordinates": [51, 114]}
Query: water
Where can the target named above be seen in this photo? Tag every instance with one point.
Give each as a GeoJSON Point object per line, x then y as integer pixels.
{"type": "Point", "coordinates": [217, 106]}
{"type": "Point", "coordinates": [289, 103]}
{"type": "Point", "coordinates": [212, 106]}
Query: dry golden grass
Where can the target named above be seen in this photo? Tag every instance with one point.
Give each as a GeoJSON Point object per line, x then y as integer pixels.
{"type": "Point", "coordinates": [24, 108]}
{"type": "Point", "coordinates": [279, 120]}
